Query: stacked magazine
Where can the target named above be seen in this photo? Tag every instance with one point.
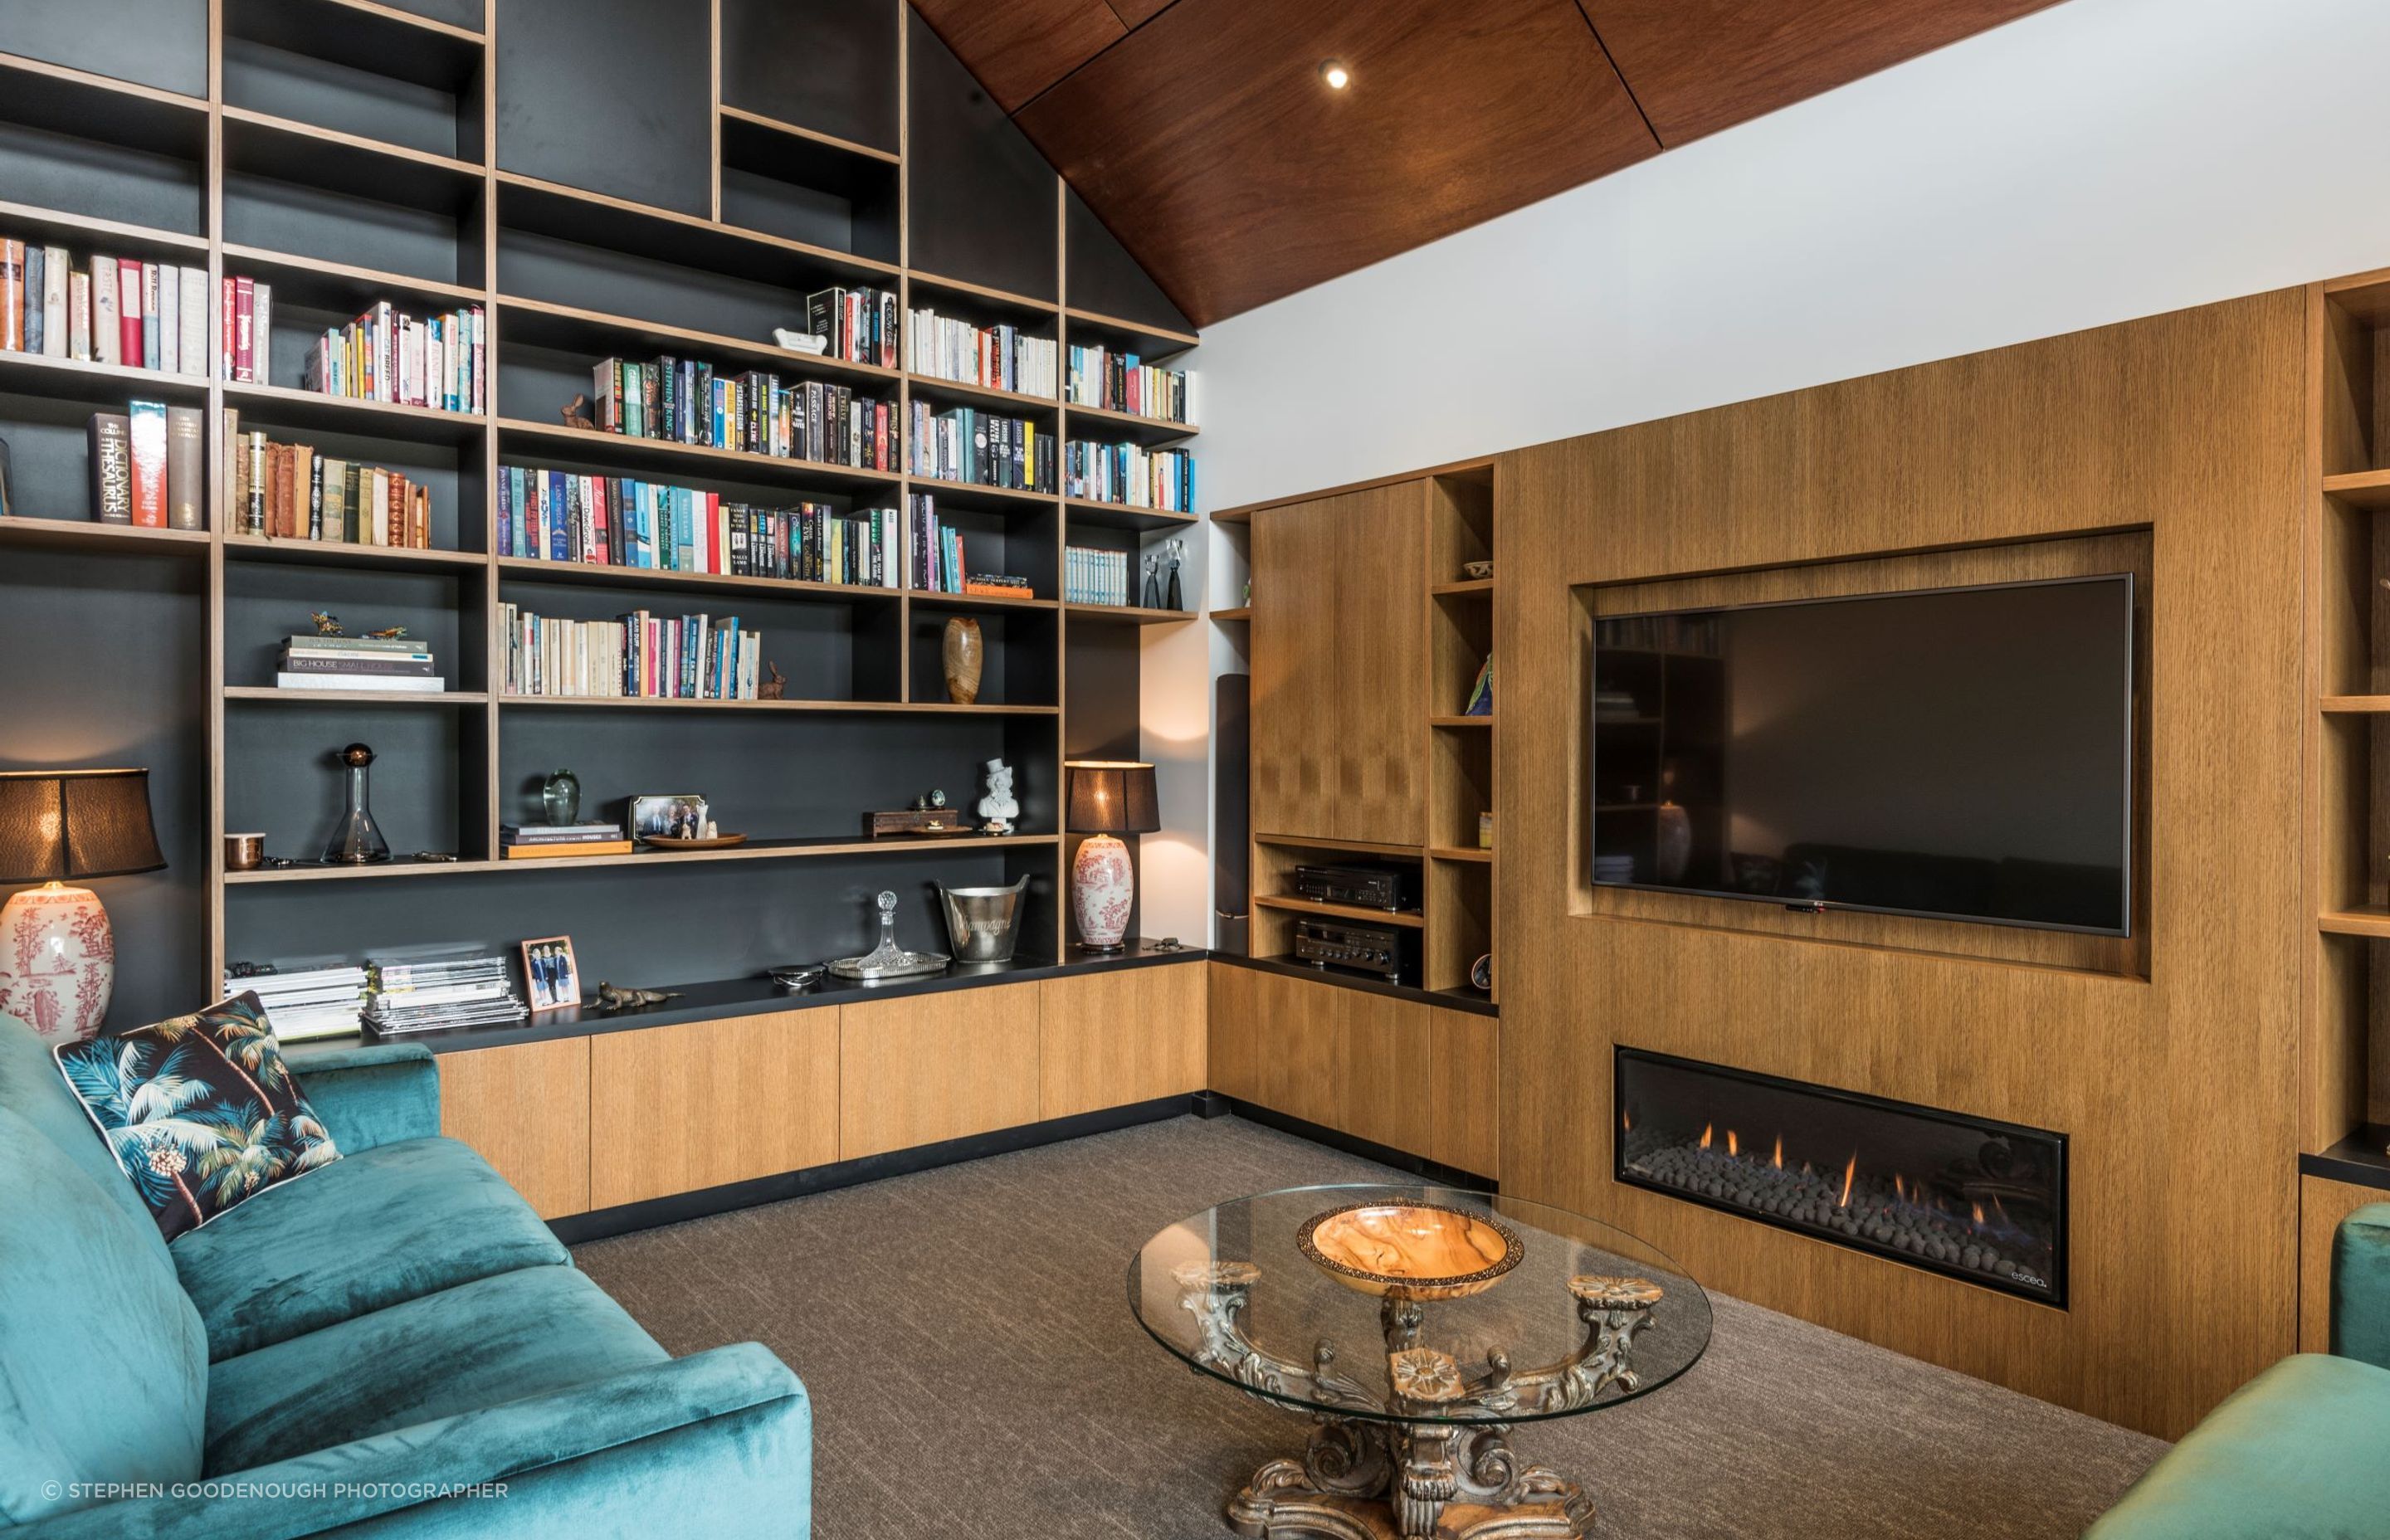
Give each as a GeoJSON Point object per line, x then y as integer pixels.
{"type": "Point", "coordinates": [305, 1003]}
{"type": "Point", "coordinates": [436, 993]}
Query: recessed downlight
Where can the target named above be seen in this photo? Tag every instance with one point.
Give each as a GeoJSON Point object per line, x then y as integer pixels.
{"type": "Point", "coordinates": [1334, 72]}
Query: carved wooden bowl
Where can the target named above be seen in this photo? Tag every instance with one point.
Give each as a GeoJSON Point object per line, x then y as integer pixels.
{"type": "Point", "coordinates": [1411, 1251]}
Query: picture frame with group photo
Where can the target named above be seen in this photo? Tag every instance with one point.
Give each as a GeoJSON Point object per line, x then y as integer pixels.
{"type": "Point", "coordinates": [551, 977]}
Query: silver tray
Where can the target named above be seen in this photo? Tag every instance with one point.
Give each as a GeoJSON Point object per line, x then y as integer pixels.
{"type": "Point", "coordinates": [902, 965]}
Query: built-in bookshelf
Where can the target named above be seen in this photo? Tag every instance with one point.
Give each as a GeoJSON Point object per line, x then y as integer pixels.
{"type": "Point", "coordinates": [2345, 1120]}
{"type": "Point", "coordinates": [349, 154]}
{"type": "Point", "coordinates": [1452, 870]}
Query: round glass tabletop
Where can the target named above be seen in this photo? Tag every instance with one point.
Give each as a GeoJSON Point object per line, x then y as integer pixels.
{"type": "Point", "coordinates": [1418, 1304]}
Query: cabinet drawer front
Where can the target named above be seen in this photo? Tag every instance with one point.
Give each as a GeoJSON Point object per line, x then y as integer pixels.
{"type": "Point", "coordinates": [717, 1102]}
{"type": "Point", "coordinates": [936, 1067]}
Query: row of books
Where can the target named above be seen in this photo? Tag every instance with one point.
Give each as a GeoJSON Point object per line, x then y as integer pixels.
{"type": "Point", "coordinates": [621, 521]}
{"type": "Point", "coordinates": [999, 357]}
{"type": "Point", "coordinates": [964, 443]}
{"type": "Point", "coordinates": [304, 1003]}
{"type": "Point", "coordinates": [412, 994]}
{"type": "Point", "coordinates": [935, 562]}
{"type": "Point", "coordinates": [858, 323]}
{"type": "Point", "coordinates": [388, 356]}
{"type": "Point", "coordinates": [146, 466]}
{"type": "Point", "coordinates": [391, 665]}
{"type": "Point", "coordinates": [639, 655]}
{"type": "Point", "coordinates": [1117, 382]}
{"type": "Point", "coordinates": [143, 315]}
{"type": "Point", "coordinates": [683, 401]}
{"type": "Point", "coordinates": [1130, 474]}
{"type": "Point", "coordinates": [1092, 576]}
{"type": "Point", "coordinates": [294, 492]}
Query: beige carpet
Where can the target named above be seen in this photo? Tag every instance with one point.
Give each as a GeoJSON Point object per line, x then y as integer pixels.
{"type": "Point", "coordinates": [976, 1376]}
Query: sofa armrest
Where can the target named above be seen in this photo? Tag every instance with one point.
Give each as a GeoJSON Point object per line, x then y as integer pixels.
{"type": "Point", "coordinates": [369, 1093]}
{"type": "Point", "coordinates": [2360, 1286]}
{"type": "Point", "coordinates": [762, 1465]}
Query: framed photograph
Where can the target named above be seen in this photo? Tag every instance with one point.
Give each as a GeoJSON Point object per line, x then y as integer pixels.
{"type": "Point", "coordinates": [550, 976]}
{"type": "Point", "coordinates": [680, 816]}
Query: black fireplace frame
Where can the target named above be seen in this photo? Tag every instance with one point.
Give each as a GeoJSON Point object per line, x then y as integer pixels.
{"type": "Point", "coordinates": [2061, 1201]}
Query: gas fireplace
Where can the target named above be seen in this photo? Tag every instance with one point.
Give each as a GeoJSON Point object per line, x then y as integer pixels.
{"type": "Point", "coordinates": [1968, 1197]}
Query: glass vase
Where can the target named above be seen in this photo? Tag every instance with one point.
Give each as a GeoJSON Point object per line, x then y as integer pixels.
{"type": "Point", "coordinates": [357, 841]}
{"type": "Point", "coordinates": [560, 794]}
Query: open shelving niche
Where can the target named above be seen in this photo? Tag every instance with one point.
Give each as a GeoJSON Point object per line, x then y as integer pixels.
{"type": "Point", "coordinates": [2345, 1120]}
{"type": "Point", "coordinates": [346, 154]}
{"type": "Point", "coordinates": [1454, 919]}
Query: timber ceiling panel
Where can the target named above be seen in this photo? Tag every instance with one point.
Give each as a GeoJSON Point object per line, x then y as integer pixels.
{"type": "Point", "coordinates": [1200, 133]}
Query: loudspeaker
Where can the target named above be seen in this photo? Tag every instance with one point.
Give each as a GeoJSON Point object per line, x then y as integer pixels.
{"type": "Point", "coordinates": [1232, 851]}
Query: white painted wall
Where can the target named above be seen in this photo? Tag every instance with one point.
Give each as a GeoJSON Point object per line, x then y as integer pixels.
{"type": "Point", "coordinates": [2093, 162]}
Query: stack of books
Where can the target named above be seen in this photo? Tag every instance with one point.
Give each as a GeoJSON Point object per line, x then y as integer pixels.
{"type": "Point", "coordinates": [1130, 474]}
{"type": "Point", "coordinates": [639, 656]}
{"type": "Point", "coordinates": [388, 356]}
{"type": "Point", "coordinates": [142, 315]}
{"type": "Point", "coordinates": [434, 994]}
{"type": "Point", "coordinates": [394, 664]}
{"type": "Point", "coordinates": [1092, 576]}
{"type": "Point", "coordinates": [999, 356]}
{"type": "Point", "coordinates": [1118, 382]}
{"type": "Point", "coordinates": [308, 1003]}
{"type": "Point", "coordinates": [539, 841]}
{"type": "Point", "coordinates": [622, 522]}
{"type": "Point", "coordinates": [292, 492]}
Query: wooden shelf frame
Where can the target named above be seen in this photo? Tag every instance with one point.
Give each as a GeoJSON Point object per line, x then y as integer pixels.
{"type": "Point", "coordinates": [227, 141]}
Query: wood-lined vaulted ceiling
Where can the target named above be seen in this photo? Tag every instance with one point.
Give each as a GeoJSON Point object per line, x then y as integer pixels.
{"type": "Point", "coordinates": [1199, 131]}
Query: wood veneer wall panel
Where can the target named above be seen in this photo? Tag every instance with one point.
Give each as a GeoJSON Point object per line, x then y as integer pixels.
{"type": "Point", "coordinates": [1340, 647]}
{"type": "Point", "coordinates": [2323, 1203]}
{"type": "Point", "coordinates": [720, 1102]}
{"type": "Point", "coordinates": [1111, 1039]}
{"type": "Point", "coordinates": [935, 1066]}
{"type": "Point", "coordinates": [525, 1108]}
{"type": "Point", "coordinates": [2179, 1092]}
{"type": "Point", "coordinates": [1464, 1091]}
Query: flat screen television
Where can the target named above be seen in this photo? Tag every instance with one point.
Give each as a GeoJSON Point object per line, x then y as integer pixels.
{"type": "Point", "coordinates": [1959, 753]}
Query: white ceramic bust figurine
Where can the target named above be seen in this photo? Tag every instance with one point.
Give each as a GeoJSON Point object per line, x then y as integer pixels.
{"type": "Point", "coordinates": [997, 807]}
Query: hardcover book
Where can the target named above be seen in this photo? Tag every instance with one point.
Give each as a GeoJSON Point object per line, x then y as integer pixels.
{"type": "Point", "coordinates": [111, 467]}
{"type": "Point", "coordinates": [148, 455]}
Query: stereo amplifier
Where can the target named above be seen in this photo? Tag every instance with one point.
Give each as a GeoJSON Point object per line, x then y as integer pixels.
{"type": "Point", "coordinates": [1348, 944]}
{"type": "Point", "coordinates": [1387, 888]}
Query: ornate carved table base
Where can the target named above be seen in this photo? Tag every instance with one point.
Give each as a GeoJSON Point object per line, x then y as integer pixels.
{"type": "Point", "coordinates": [1381, 1481]}
{"type": "Point", "coordinates": [1381, 1477]}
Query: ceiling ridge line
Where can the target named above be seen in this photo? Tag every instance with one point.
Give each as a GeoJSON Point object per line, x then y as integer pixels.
{"type": "Point", "coordinates": [1130, 31]}
{"type": "Point", "coordinates": [1608, 58]}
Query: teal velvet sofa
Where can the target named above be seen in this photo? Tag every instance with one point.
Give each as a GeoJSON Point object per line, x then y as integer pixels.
{"type": "Point", "coordinates": [2303, 1451]}
{"type": "Point", "coordinates": [393, 1345]}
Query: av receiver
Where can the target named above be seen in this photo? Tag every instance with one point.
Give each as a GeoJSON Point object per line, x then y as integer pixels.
{"type": "Point", "coordinates": [1388, 888]}
{"type": "Point", "coordinates": [1377, 949]}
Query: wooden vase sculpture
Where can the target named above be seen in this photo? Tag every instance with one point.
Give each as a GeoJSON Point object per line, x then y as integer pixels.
{"type": "Point", "coordinates": [966, 655]}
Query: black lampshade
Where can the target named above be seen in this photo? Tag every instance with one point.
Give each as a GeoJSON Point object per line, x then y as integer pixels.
{"type": "Point", "coordinates": [1111, 797]}
{"type": "Point", "coordinates": [61, 825]}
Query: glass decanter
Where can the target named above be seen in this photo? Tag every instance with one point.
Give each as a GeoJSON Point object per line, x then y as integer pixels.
{"type": "Point", "coordinates": [357, 841]}
{"type": "Point", "coordinates": [888, 961]}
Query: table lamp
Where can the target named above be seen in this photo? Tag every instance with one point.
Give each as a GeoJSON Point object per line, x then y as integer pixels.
{"type": "Point", "coordinates": [58, 958]}
{"type": "Point", "coordinates": [1107, 798]}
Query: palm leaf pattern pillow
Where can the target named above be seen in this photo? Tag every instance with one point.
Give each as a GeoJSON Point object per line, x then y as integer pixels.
{"type": "Point", "coordinates": [200, 1112]}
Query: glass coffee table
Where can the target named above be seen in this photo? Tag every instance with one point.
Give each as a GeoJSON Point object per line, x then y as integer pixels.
{"type": "Point", "coordinates": [1417, 1325]}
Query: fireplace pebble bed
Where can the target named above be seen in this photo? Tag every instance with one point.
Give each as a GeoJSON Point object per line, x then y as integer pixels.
{"type": "Point", "coordinates": [1915, 1219]}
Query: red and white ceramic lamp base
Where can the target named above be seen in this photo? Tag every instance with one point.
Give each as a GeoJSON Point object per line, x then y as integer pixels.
{"type": "Point", "coordinates": [58, 961]}
{"type": "Point", "coordinates": [1103, 890]}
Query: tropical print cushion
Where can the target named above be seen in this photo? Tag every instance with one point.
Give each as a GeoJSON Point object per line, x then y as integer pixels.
{"type": "Point", "coordinates": [199, 1111]}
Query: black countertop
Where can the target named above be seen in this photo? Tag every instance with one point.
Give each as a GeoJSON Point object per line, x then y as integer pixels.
{"type": "Point", "coordinates": [714, 1000]}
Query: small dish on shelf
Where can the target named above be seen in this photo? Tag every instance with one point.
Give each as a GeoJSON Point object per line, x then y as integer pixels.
{"type": "Point", "coordinates": [676, 841]}
{"type": "Point", "coordinates": [794, 976]}
{"type": "Point", "coordinates": [1410, 1250]}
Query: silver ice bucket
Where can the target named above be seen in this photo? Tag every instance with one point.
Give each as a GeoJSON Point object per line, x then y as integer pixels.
{"type": "Point", "coordinates": [984, 921]}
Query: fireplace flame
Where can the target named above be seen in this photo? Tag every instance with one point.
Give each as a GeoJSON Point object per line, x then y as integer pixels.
{"type": "Point", "coordinates": [1731, 1148]}
{"type": "Point", "coordinates": [1780, 1153]}
{"type": "Point", "coordinates": [1626, 1120]}
{"type": "Point", "coordinates": [1899, 1188]}
{"type": "Point", "coordinates": [1706, 1134]}
{"type": "Point", "coordinates": [1850, 1174]}
{"type": "Point", "coordinates": [1979, 1211]}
